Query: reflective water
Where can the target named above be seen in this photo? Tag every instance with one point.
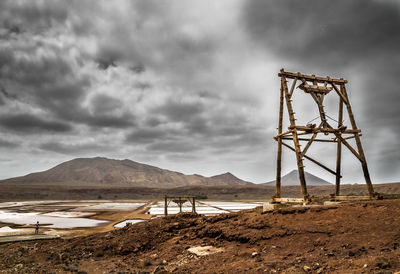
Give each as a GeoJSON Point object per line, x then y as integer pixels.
{"type": "Point", "coordinates": [204, 207]}
{"type": "Point", "coordinates": [110, 206]}
{"type": "Point", "coordinates": [50, 221]}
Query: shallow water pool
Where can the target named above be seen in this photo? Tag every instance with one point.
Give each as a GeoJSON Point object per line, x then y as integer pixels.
{"type": "Point", "coordinates": [49, 221]}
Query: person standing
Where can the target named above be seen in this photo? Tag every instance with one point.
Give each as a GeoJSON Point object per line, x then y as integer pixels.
{"type": "Point", "coordinates": [37, 228]}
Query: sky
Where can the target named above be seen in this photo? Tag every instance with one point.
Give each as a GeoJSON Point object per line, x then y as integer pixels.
{"type": "Point", "coordinates": [192, 85]}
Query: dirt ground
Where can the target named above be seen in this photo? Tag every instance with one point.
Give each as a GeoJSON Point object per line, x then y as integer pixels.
{"type": "Point", "coordinates": [359, 237]}
{"type": "Point", "coordinates": [256, 192]}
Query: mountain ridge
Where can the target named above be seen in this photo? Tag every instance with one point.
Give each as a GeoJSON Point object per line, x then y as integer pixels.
{"type": "Point", "coordinates": [100, 171]}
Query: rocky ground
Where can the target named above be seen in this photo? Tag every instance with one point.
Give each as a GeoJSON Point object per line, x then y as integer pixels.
{"type": "Point", "coordinates": [360, 237]}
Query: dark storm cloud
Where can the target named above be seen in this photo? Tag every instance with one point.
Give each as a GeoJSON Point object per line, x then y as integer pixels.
{"type": "Point", "coordinates": [203, 118]}
{"type": "Point", "coordinates": [7, 144]}
{"type": "Point", "coordinates": [143, 85]}
{"type": "Point", "coordinates": [118, 121]}
{"type": "Point", "coordinates": [173, 146]}
{"type": "Point", "coordinates": [105, 64]}
{"type": "Point", "coordinates": [32, 16]}
{"type": "Point", "coordinates": [51, 84]}
{"type": "Point", "coordinates": [138, 69]}
{"type": "Point", "coordinates": [5, 94]}
{"type": "Point", "coordinates": [177, 110]}
{"type": "Point", "coordinates": [152, 39]}
{"type": "Point", "coordinates": [33, 70]}
{"type": "Point", "coordinates": [103, 103]}
{"type": "Point", "coordinates": [325, 33]}
{"type": "Point", "coordinates": [30, 123]}
{"type": "Point", "coordinates": [104, 113]}
{"type": "Point", "coordinates": [44, 81]}
{"type": "Point", "coordinates": [71, 149]}
{"type": "Point", "coordinates": [146, 135]}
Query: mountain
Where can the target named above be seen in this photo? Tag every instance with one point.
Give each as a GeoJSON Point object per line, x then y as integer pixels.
{"type": "Point", "coordinates": [101, 171]}
{"type": "Point", "coordinates": [292, 179]}
{"type": "Point", "coordinates": [229, 179]}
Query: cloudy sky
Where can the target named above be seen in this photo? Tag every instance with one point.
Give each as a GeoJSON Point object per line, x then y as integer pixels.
{"type": "Point", "coordinates": [190, 85]}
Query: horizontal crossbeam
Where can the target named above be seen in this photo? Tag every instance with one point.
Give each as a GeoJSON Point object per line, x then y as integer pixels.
{"type": "Point", "coordinates": [312, 160]}
{"type": "Point", "coordinates": [292, 75]}
{"type": "Point", "coordinates": [325, 130]}
{"type": "Point", "coordinates": [315, 140]}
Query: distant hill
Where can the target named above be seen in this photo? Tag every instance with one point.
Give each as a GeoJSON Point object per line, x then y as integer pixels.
{"type": "Point", "coordinates": [101, 171]}
{"type": "Point", "coordinates": [292, 179]}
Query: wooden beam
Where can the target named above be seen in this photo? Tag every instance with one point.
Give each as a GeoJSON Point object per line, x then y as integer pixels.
{"type": "Point", "coordinates": [315, 140]}
{"type": "Point", "coordinates": [166, 206]}
{"type": "Point", "coordinates": [352, 198]}
{"type": "Point", "coordinates": [318, 100]}
{"type": "Point", "coordinates": [349, 146]}
{"type": "Point", "coordinates": [292, 75]}
{"type": "Point", "coordinates": [311, 159]}
{"type": "Point", "coordinates": [295, 138]}
{"type": "Point", "coordinates": [279, 152]}
{"type": "Point", "coordinates": [287, 200]}
{"type": "Point", "coordinates": [339, 93]}
{"type": "Point", "coordinates": [292, 87]}
{"type": "Point", "coordinates": [339, 150]}
{"type": "Point", "coordinates": [359, 146]}
{"type": "Point", "coordinates": [309, 144]}
{"type": "Point", "coordinates": [351, 137]}
{"type": "Point", "coordinates": [323, 130]}
{"type": "Point", "coordinates": [284, 133]}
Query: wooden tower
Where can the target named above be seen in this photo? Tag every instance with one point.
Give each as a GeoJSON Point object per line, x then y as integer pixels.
{"type": "Point", "coordinates": [317, 88]}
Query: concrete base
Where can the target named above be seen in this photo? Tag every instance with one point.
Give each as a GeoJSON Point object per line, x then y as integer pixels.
{"type": "Point", "coordinates": [270, 207]}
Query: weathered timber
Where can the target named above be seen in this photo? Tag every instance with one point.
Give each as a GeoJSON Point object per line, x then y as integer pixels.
{"type": "Point", "coordinates": [295, 138]}
{"type": "Point", "coordinates": [359, 146]}
{"type": "Point", "coordinates": [287, 200]}
{"type": "Point", "coordinates": [291, 75]}
{"type": "Point", "coordinates": [323, 130]}
{"type": "Point", "coordinates": [318, 88]}
{"type": "Point", "coordinates": [279, 153]}
{"type": "Point", "coordinates": [353, 198]}
{"type": "Point", "coordinates": [311, 159]}
{"type": "Point", "coordinates": [339, 150]}
{"type": "Point", "coordinates": [179, 200]}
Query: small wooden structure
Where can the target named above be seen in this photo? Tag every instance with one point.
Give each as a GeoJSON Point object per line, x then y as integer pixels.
{"type": "Point", "coordinates": [179, 200]}
{"type": "Point", "coordinates": [318, 88]}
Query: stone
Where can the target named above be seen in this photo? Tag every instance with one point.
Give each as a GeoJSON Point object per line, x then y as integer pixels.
{"type": "Point", "coordinates": [270, 207]}
{"type": "Point", "coordinates": [255, 254]}
{"type": "Point", "coordinates": [307, 269]}
{"type": "Point", "coordinates": [204, 250]}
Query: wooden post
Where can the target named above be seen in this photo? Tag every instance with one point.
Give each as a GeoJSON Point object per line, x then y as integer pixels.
{"type": "Point", "coordinates": [194, 205]}
{"type": "Point", "coordinates": [165, 207]}
{"type": "Point", "coordinates": [359, 146]}
{"type": "Point", "coordinates": [295, 138]}
{"type": "Point", "coordinates": [180, 207]}
{"type": "Point", "coordinates": [339, 149]}
{"type": "Point", "coordinates": [279, 155]}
